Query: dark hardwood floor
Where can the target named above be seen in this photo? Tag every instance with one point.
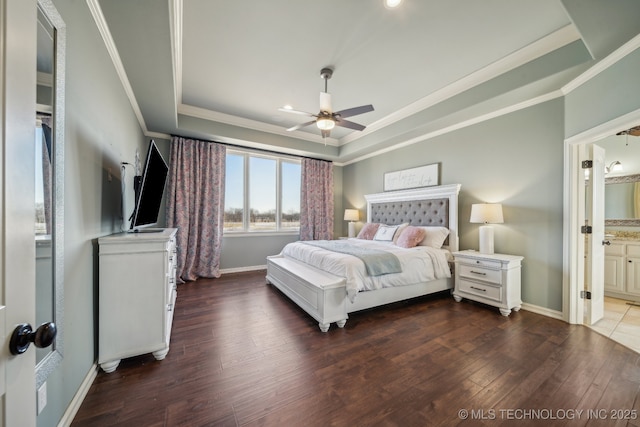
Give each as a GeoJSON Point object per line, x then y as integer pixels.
{"type": "Point", "coordinates": [243, 354]}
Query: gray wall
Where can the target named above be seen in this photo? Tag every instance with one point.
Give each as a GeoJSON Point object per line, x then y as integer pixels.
{"type": "Point", "coordinates": [101, 131]}
{"type": "Point", "coordinates": [517, 160]}
{"type": "Point", "coordinates": [609, 95]}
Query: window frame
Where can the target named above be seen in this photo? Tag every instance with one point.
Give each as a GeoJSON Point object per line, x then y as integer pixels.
{"type": "Point", "coordinates": [246, 208]}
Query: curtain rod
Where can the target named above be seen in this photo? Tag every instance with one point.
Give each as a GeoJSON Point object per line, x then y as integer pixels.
{"type": "Point", "coordinates": [226, 144]}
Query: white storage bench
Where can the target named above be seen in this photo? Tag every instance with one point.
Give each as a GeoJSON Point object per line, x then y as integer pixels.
{"type": "Point", "coordinates": [321, 294]}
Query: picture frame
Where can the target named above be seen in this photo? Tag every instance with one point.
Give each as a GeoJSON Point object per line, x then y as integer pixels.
{"type": "Point", "coordinates": [422, 176]}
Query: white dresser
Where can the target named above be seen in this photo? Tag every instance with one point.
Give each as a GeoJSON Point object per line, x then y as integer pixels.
{"type": "Point", "coordinates": [492, 279]}
{"type": "Point", "coordinates": [137, 295]}
{"type": "Point", "coordinates": [622, 269]}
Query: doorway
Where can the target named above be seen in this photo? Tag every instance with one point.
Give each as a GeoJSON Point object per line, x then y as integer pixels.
{"type": "Point", "coordinates": [621, 320]}
{"type": "Point", "coordinates": [573, 306]}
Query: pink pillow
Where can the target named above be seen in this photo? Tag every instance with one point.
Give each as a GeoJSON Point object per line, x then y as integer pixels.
{"type": "Point", "coordinates": [410, 237]}
{"type": "Point", "coordinates": [368, 231]}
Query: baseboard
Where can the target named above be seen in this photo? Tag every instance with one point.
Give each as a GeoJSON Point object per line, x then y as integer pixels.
{"type": "Point", "coordinates": [74, 405]}
{"type": "Point", "coordinates": [243, 269]}
{"type": "Point", "coordinates": [543, 310]}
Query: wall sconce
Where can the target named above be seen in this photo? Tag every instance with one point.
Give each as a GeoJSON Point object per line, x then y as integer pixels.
{"type": "Point", "coordinates": [351, 215]}
{"type": "Point", "coordinates": [486, 213]}
{"type": "Point", "coordinates": [615, 166]}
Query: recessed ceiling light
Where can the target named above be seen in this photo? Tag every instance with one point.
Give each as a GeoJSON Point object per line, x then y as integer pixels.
{"type": "Point", "coordinates": [287, 107]}
{"type": "Point", "coordinates": [392, 4]}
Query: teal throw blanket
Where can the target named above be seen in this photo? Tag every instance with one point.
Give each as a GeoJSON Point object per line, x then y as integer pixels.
{"type": "Point", "coordinates": [377, 262]}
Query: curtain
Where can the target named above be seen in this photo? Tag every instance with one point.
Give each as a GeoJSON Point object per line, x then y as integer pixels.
{"type": "Point", "coordinates": [316, 200]}
{"type": "Point", "coordinates": [46, 170]}
{"type": "Point", "coordinates": [195, 206]}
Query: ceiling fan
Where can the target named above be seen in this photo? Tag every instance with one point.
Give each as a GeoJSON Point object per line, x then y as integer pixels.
{"type": "Point", "coordinates": [327, 119]}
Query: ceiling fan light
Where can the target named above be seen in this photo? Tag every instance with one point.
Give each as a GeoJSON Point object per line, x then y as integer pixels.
{"type": "Point", "coordinates": [391, 4]}
{"type": "Point", "coordinates": [325, 123]}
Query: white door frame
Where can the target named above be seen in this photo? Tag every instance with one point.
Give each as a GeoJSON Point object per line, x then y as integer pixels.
{"type": "Point", "coordinates": [573, 216]}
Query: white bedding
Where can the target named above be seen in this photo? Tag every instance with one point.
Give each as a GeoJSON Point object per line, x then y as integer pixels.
{"type": "Point", "coordinates": [419, 264]}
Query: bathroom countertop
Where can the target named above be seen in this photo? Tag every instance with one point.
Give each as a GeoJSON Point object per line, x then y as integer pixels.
{"type": "Point", "coordinates": [623, 235]}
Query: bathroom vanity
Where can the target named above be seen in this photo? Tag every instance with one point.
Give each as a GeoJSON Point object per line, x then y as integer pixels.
{"type": "Point", "coordinates": [622, 267]}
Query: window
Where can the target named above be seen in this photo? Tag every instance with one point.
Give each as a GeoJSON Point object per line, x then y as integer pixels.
{"type": "Point", "coordinates": [262, 193]}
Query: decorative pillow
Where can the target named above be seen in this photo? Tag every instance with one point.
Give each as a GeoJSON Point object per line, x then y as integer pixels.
{"type": "Point", "coordinates": [434, 236]}
{"type": "Point", "coordinates": [401, 227]}
{"type": "Point", "coordinates": [411, 236]}
{"type": "Point", "coordinates": [385, 233]}
{"type": "Point", "coordinates": [368, 231]}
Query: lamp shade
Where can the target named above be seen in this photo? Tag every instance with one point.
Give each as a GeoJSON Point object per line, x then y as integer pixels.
{"type": "Point", "coordinates": [486, 213]}
{"type": "Point", "coordinates": [351, 215]}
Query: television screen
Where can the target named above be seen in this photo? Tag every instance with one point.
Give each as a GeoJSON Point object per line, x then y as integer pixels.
{"type": "Point", "coordinates": [149, 199]}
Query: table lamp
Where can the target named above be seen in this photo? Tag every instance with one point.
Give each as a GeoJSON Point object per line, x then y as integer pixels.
{"type": "Point", "coordinates": [486, 213]}
{"type": "Point", "coordinates": [351, 215]}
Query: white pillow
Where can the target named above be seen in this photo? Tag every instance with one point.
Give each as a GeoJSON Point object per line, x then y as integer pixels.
{"type": "Point", "coordinates": [434, 236]}
{"type": "Point", "coordinates": [385, 233]}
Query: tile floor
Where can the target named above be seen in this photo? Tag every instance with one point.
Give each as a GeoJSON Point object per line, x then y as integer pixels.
{"type": "Point", "coordinates": [621, 322]}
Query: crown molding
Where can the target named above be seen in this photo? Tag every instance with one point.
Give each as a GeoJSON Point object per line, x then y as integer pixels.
{"type": "Point", "coordinates": [175, 22]}
{"type": "Point", "coordinates": [469, 122]}
{"type": "Point", "coordinates": [206, 114]}
{"type": "Point", "coordinates": [103, 28]}
{"type": "Point", "coordinates": [545, 45]}
{"type": "Point", "coordinates": [602, 65]}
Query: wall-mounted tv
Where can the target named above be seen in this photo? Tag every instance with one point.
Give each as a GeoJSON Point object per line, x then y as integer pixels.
{"type": "Point", "coordinates": [149, 197]}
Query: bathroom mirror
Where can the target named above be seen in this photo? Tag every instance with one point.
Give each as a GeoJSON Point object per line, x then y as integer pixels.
{"type": "Point", "coordinates": [49, 192]}
{"type": "Point", "coordinates": [622, 200]}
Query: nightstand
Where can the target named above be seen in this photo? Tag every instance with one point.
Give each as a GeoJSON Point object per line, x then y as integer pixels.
{"type": "Point", "coordinates": [492, 279]}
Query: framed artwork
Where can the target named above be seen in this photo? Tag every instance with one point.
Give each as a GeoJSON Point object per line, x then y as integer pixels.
{"type": "Point", "coordinates": [422, 176]}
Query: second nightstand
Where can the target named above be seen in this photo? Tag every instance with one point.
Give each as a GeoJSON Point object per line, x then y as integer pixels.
{"type": "Point", "coordinates": [492, 279]}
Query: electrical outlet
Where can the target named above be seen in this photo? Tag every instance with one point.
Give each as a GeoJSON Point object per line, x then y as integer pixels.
{"type": "Point", "coordinates": [42, 397]}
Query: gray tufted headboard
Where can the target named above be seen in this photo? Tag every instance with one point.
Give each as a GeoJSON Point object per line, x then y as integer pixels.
{"type": "Point", "coordinates": [428, 206]}
{"type": "Point", "coordinates": [429, 212]}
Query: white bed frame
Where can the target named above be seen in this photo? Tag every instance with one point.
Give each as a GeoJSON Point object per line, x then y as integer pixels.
{"type": "Point", "coordinates": [323, 295]}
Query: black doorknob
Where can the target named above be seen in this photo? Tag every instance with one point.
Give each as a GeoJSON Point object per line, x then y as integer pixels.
{"type": "Point", "coordinates": [23, 335]}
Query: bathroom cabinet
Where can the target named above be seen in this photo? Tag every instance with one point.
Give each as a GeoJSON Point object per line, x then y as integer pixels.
{"type": "Point", "coordinates": [622, 269]}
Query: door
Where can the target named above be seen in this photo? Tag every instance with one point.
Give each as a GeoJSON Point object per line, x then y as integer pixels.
{"type": "Point", "coordinates": [17, 211]}
{"type": "Point", "coordinates": [594, 217]}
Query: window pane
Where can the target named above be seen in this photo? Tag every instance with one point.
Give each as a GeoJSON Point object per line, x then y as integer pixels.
{"type": "Point", "coordinates": [234, 192]}
{"type": "Point", "coordinates": [290, 216]}
{"type": "Point", "coordinates": [262, 194]}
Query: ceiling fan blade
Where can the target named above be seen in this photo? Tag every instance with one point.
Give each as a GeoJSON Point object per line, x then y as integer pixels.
{"type": "Point", "coordinates": [325, 102]}
{"type": "Point", "coordinates": [300, 126]}
{"type": "Point", "coordinates": [348, 124]}
{"type": "Point", "coordinates": [355, 111]}
{"type": "Point", "coordinates": [303, 113]}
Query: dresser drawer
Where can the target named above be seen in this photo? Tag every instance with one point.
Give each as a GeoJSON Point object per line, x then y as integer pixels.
{"type": "Point", "coordinates": [496, 265]}
{"type": "Point", "coordinates": [481, 289]}
{"type": "Point", "coordinates": [480, 273]}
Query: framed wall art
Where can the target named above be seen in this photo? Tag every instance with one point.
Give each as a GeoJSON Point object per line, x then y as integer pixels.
{"type": "Point", "coordinates": [422, 176]}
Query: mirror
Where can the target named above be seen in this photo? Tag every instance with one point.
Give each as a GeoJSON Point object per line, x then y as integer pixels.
{"type": "Point", "coordinates": [49, 193]}
{"type": "Point", "coordinates": [622, 200]}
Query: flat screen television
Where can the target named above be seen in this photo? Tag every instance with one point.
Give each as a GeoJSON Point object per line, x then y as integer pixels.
{"type": "Point", "coordinates": [149, 196]}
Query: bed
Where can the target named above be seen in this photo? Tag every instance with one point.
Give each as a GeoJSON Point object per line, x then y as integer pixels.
{"type": "Point", "coordinates": [326, 290]}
